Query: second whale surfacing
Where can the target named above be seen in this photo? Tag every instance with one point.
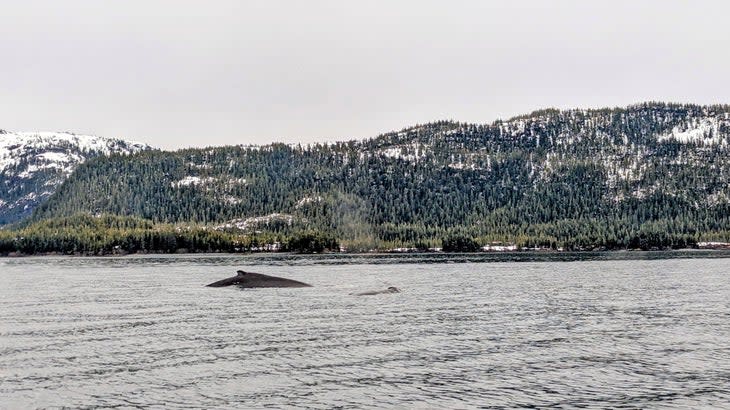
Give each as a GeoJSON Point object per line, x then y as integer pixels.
{"type": "Point", "coordinates": [258, 280]}
{"type": "Point", "coordinates": [391, 289]}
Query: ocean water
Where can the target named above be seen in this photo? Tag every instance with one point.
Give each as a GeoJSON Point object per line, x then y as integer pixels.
{"type": "Point", "coordinates": [467, 331]}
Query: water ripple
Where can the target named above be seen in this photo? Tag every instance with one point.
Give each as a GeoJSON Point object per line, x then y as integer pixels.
{"type": "Point", "coordinates": [144, 332]}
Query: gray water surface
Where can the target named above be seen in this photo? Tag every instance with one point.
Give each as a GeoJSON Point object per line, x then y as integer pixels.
{"type": "Point", "coordinates": [145, 332]}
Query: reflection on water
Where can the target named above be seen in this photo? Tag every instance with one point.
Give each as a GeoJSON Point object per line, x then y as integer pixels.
{"type": "Point", "coordinates": [145, 331]}
{"type": "Point", "coordinates": [288, 259]}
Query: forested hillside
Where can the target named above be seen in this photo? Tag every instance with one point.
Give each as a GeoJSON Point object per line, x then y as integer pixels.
{"type": "Point", "coordinates": [34, 164]}
{"type": "Point", "coordinates": [650, 175]}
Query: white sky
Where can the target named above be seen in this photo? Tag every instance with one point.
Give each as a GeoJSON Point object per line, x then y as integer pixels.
{"type": "Point", "coordinates": [197, 73]}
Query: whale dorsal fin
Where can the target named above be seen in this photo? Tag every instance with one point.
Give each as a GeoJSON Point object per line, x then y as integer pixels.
{"type": "Point", "coordinates": [240, 273]}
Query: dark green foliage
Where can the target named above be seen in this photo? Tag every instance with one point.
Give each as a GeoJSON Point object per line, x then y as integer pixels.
{"type": "Point", "coordinates": [109, 234]}
{"type": "Point", "coordinates": [460, 243]}
{"type": "Point", "coordinates": [311, 242]}
{"type": "Point", "coordinates": [596, 179]}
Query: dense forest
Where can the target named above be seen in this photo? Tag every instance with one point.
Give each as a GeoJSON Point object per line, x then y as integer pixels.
{"type": "Point", "coordinates": [104, 235]}
{"type": "Point", "coordinates": [649, 176]}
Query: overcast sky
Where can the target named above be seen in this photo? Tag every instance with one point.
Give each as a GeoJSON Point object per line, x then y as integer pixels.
{"type": "Point", "coordinates": [196, 73]}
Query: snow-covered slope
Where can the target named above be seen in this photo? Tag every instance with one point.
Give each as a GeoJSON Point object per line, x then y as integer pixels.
{"type": "Point", "coordinates": [34, 164]}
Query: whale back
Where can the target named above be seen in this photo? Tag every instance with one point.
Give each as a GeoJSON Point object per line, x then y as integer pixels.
{"type": "Point", "coordinates": [225, 282]}
{"type": "Point", "coordinates": [258, 280]}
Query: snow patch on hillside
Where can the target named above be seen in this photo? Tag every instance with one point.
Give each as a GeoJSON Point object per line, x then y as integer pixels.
{"type": "Point", "coordinates": [413, 152]}
{"type": "Point", "coordinates": [29, 160]}
{"type": "Point", "coordinates": [705, 131]}
{"type": "Point", "coordinates": [191, 180]}
{"type": "Point", "coordinates": [308, 200]}
{"type": "Point", "coordinates": [57, 149]}
{"type": "Point", "coordinates": [231, 200]}
{"type": "Point", "coordinates": [718, 198]}
{"type": "Point", "coordinates": [257, 221]}
{"type": "Point", "coordinates": [197, 181]}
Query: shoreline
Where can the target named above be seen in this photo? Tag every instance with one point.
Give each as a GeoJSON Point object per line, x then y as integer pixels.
{"type": "Point", "coordinates": [547, 253]}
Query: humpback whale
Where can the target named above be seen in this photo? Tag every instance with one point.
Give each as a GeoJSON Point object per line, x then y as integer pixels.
{"type": "Point", "coordinates": [391, 289]}
{"type": "Point", "coordinates": [258, 280]}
